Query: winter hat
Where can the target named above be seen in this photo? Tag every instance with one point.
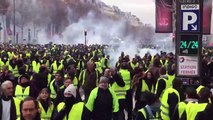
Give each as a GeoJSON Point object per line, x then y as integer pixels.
{"type": "Point", "coordinates": [71, 89]}
{"type": "Point", "coordinates": [148, 97]}
{"type": "Point", "coordinates": [23, 76]}
{"type": "Point", "coordinates": [103, 80]}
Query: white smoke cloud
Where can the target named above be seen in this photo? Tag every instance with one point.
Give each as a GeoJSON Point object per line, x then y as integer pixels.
{"type": "Point", "coordinates": [100, 30]}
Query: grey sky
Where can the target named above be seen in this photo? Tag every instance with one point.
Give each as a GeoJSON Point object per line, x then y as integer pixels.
{"type": "Point", "coordinates": [144, 9]}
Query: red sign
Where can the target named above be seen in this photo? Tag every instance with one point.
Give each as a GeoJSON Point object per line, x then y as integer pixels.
{"type": "Point", "coordinates": [163, 16]}
{"type": "Point", "coordinates": [207, 12]}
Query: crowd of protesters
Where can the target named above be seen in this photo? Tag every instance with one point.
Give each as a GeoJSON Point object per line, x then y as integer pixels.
{"type": "Point", "coordinates": [77, 82]}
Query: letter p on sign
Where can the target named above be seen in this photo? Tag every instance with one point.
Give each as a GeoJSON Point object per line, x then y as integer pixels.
{"type": "Point", "coordinates": [190, 18]}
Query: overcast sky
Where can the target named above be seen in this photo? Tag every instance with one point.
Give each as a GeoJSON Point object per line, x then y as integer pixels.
{"type": "Point", "coordinates": [144, 9]}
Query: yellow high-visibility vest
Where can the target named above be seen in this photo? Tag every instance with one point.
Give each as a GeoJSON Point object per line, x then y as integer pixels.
{"type": "Point", "coordinates": [20, 94]}
{"type": "Point", "coordinates": [164, 103]}
{"type": "Point", "coordinates": [46, 115]}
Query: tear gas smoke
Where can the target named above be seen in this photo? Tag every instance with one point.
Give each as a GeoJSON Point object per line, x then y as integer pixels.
{"type": "Point", "coordinates": [69, 24]}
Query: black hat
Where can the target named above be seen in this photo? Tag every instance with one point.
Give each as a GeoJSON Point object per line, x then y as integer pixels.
{"type": "Point", "coordinates": [149, 98]}
{"type": "Point", "coordinates": [60, 73]}
{"type": "Point", "coordinates": [23, 76]}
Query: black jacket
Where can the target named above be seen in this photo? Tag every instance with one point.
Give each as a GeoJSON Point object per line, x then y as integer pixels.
{"type": "Point", "coordinates": [12, 113]}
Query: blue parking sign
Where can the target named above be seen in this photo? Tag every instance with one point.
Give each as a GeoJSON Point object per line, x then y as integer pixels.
{"type": "Point", "coordinates": [190, 18]}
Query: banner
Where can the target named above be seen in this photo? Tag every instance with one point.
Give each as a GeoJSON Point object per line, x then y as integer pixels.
{"type": "Point", "coordinates": [163, 16]}
{"type": "Point", "coordinates": [207, 12]}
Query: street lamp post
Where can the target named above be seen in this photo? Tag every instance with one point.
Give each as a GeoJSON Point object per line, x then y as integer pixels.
{"type": "Point", "coordinates": [14, 21]}
{"type": "Point", "coordinates": [29, 36]}
{"type": "Point", "coordinates": [85, 35]}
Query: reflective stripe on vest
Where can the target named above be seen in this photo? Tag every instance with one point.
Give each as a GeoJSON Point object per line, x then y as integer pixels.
{"type": "Point", "coordinates": [119, 91]}
{"type": "Point", "coordinates": [125, 74]}
{"type": "Point", "coordinates": [46, 115]}
{"type": "Point", "coordinates": [20, 94]}
{"type": "Point", "coordinates": [164, 103]}
{"type": "Point", "coordinates": [192, 109]}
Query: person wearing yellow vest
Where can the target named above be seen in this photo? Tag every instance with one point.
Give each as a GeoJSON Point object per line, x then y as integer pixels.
{"type": "Point", "coordinates": [105, 62]}
{"type": "Point", "coordinates": [170, 99]}
{"type": "Point", "coordinates": [89, 78]}
{"type": "Point", "coordinates": [36, 64]}
{"type": "Point", "coordinates": [80, 64]}
{"type": "Point", "coordinates": [199, 89]}
{"type": "Point", "coordinates": [6, 75]}
{"type": "Point", "coordinates": [126, 76]}
{"type": "Point", "coordinates": [156, 69]}
{"type": "Point", "coordinates": [22, 89]}
{"type": "Point", "coordinates": [3, 61]}
{"type": "Point", "coordinates": [43, 78]}
{"type": "Point", "coordinates": [162, 83]}
{"type": "Point", "coordinates": [72, 73]}
{"type": "Point", "coordinates": [146, 84]}
{"type": "Point", "coordinates": [201, 110]}
{"type": "Point", "coordinates": [60, 94]}
{"type": "Point", "coordinates": [190, 97]}
{"type": "Point", "coordinates": [164, 61]}
{"type": "Point", "coordinates": [45, 104]}
{"type": "Point", "coordinates": [29, 109]}
{"type": "Point", "coordinates": [152, 109]}
{"type": "Point", "coordinates": [118, 86]}
{"type": "Point", "coordinates": [71, 109]}
{"type": "Point", "coordinates": [56, 85]}
{"type": "Point", "coordinates": [134, 63]}
{"type": "Point", "coordinates": [57, 65]}
{"type": "Point", "coordinates": [103, 102]}
{"type": "Point", "coordinates": [13, 67]}
{"type": "Point", "coordinates": [9, 106]}
{"type": "Point", "coordinates": [118, 63]}
{"type": "Point", "coordinates": [171, 74]}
